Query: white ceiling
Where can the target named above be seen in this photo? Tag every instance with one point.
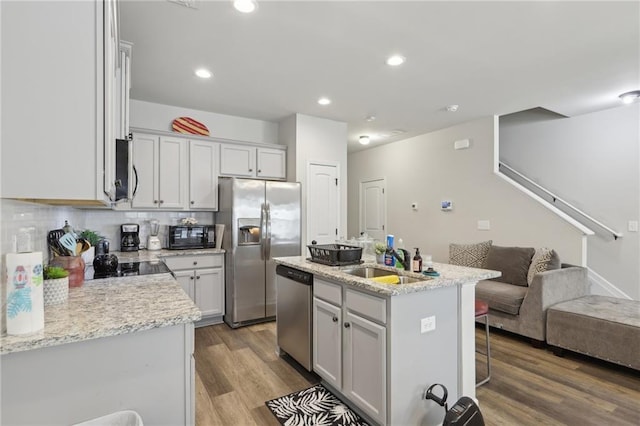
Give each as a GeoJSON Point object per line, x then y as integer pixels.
{"type": "Point", "coordinates": [488, 57]}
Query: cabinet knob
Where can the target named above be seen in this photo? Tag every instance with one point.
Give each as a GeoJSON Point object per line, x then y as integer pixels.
{"type": "Point", "coordinates": [191, 277]}
{"type": "Point", "coordinates": [161, 201]}
{"type": "Point", "coordinates": [347, 325]}
{"type": "Point", "coordinates": [193, 202]}
{"type": "Point", "coordinates": [155, 201]}
{"type": "Point", "coordinates": [195, 262]}
{"type": "Point", "coordinates": [335, 319]}
{"type": "Point", "coordinates": [250, 170]}
{"type": "Point", "coordinates": [198, 277]}
{"type": "Point", "coordinates": [259, 170]}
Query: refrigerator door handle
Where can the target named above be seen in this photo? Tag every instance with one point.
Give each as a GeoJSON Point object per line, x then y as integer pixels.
{"type": "Point", "coordinates": [263, 230]}
{"type": "Point", "coordinates": [267, 253]}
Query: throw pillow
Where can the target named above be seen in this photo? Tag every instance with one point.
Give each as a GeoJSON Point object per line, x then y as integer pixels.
{"type": "Point", "coordinates": [543, 260]}
{"type": "Point", "coordinates": [513, 262]}
{"type": "Point", "coordinates": [472, 255]}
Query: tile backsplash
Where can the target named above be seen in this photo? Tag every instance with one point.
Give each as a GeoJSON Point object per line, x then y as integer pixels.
{"type": "Point", "coordinates": [41, 218]}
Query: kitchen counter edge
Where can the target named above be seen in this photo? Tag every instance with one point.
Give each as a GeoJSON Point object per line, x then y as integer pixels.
{"type": "Point", "coordinates": [450, 275]}
{"type": "Point", "coordinates": [109, 307]}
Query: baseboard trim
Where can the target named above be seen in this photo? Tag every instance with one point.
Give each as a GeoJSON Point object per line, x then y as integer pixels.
{"type": "Point", "coordinates": [602, 287]}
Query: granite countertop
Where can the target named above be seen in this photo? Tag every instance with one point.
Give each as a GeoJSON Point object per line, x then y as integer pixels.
{"type": "Point", "coordinates": [109, 307]}
{"type": "Point", "coordinates": [144, 255]}
{"type": "Point", "coordinates": [450, 275]}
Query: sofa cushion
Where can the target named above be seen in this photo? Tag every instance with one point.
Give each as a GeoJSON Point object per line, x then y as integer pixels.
{"type": "Point", "coordinates": [513, 262]}
{"type": "Point", "coordinates": [543, 260]}
{"type": "Point", "coordinates": [471, 255]}
{"type": "Point", "coordinates": [501, 297]}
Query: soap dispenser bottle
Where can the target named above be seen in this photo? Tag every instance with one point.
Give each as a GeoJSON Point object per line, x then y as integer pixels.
{"type": "Point", "coordinates": [417, 261]}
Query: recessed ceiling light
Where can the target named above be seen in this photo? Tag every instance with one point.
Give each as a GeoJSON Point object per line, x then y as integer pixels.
{"type": "Point", "coordinates": [395, 60]}
{"type": "Point", "coordinates": [245, 6]}
{"type": "Point", "coordinates": [370, 118]}
{"type": "Point", "coordinates": [364, 140]}
{"type": "Point", "coordinates": [203, 73]}
{"type": "Point", "coordinates": [629, 97]}
{"type": "Point", "coordinates": [324, 101]}
{"type": "Point", "coordinates": [452, 108]}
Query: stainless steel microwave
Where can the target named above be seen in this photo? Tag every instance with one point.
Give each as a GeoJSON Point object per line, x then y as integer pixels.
{"type": "Point", "coordinates": [191, 237]}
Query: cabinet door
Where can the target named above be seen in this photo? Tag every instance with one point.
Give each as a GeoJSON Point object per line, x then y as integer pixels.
{"type": "Point", "coordinates": [327, 344]}
{"type": "Point", "coordinates": [365, 366]}
{"type": "Point", "coordinates": [271, 163]}
{"type": "Point", "coordinates": [208, 291]}
{"type": "Point", "coordinates": [186, 281]}
{"type": "Point", "coordinates": [145, 163]}
{"type": "Point", "coordinates": [237, 160]}
{"type": "Point", "coordinates": [173, 173]}
{"type": "Point", "coordinates": [203, 175]}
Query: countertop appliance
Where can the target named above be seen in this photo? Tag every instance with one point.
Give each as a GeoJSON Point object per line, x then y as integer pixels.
{"type": "Point", "coordinates": [262, 221]}
{"type": "Point", "coordinates": [135, 268]}
{"type": "Point", "coordinates": [153, 242]}
{"type": "Point", "coordinates": [294, 310]}
{"type": "Point", "coordinates": [129, 237]}
{"type": "Point", "coordinates": [182, 237]}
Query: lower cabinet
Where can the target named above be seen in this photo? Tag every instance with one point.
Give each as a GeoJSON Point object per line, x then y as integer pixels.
{"type": "Point", "coordinates": [202, 278]}
{"type": "Point", "coordinates": [350, 345]}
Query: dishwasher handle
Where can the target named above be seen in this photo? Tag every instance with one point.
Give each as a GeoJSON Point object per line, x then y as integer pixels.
{"type": "Point", "coordinates": [296, 275]}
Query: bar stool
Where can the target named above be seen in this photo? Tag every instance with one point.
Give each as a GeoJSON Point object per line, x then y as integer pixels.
{"type": "Point", "coordinates": [482, 310]}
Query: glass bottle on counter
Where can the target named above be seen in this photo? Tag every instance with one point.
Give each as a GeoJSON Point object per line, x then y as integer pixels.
{"type": "Point", "coordinates": [417, 262]}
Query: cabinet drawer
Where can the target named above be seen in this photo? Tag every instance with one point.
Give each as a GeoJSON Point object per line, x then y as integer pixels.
{"type": "Point", "coordinates": [176, 263]}
{"type": "Point", "coordinates": [367, 305]}
{"type": "Point", "coordinates": [328, 291]}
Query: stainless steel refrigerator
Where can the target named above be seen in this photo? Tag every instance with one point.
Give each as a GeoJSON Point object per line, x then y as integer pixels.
{"type": "Point", "coordinates": [262, 221]}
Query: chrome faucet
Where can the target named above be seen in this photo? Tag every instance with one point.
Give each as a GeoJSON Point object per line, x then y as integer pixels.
{"type": "Point", "coordinates": [405, 260]}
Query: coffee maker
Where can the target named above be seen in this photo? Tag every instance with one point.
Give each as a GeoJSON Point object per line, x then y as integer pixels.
{"type": "Point", "coordinates": [129, 237]}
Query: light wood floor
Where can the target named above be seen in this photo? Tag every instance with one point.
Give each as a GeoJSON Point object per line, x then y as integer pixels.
{"type": "Point", "coordinates": [238, 370]}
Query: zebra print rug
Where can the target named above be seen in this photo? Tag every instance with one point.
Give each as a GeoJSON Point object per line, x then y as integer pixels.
{"type": "Point", "coordinates": [313, 406]}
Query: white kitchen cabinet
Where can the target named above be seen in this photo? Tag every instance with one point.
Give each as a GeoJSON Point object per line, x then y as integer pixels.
{"type": "Point", "coordinates": [202, 278]}
{"type": "Point", "coordinates": [349, 340]}
{"type": "Point", "coordinates": [55, 56]}
{"type": "Point", "coordinates": [249, 161]}
{"type": "Point", "coordinates": [160, 168]}
{"type": "Point", "coordinates": [203, 175]}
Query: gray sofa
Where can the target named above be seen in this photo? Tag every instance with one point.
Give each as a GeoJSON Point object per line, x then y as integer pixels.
{"type": "Point", "coordinates": [532, 281]}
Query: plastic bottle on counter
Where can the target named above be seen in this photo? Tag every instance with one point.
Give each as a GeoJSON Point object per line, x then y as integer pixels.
{"type": "Point", "coordinates": [417, 261]}
{"type": "Point", "coordinates": [389, 260]}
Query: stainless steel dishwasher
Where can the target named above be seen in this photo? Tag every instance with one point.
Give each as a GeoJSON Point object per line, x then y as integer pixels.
{"type": "Point", "coordinates": [294, 310]}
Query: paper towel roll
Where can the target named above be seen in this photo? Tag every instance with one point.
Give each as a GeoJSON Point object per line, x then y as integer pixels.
{"type": "Point", "coordinates": [25, 300]}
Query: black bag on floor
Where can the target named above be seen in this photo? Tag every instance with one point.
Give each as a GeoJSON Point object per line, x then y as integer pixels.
{"type": "Point", "coordinates": [465, 412]}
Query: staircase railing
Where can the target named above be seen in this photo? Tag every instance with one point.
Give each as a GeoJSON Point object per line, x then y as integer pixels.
{"type": "Point", "coordinates": [555, 199]}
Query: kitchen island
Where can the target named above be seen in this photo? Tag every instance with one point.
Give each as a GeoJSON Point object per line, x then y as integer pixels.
{"type": "Point", "coordinates": [380, 346]}
{"type": "Point", "coordinates": [116, 344]}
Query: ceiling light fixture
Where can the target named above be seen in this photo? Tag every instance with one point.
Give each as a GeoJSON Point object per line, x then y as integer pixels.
{"type": "Point", "coordinates": [395, 60]}
{"type": "Point", "coordinates": [629, 97]}
{"type": "Point", "coordinates": [452, 108]}
{"type": "Point", "coordinates": [245, 6]}
{"type": "Point", "coordinates": [364, 140]}
{"type": "Point", "coordinates": [203, 73]}
{"type": "Point", "coordinates": [324, 101]}
{"type": "Point", "coordinates": [370, 118]}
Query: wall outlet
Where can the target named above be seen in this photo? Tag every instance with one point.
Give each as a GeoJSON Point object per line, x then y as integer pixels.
{"type": "Point", "coordinates": [484, 225]}
{"type": "Point", "coordinates": [633, 226]}
{"type": "Point", "coordinates": [427, 324]}
{"type": "Point", "coordinates": [446, 205]}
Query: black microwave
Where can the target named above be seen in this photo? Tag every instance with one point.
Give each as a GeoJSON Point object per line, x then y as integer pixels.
{"type": "Point", "coordinates": [183, 237]}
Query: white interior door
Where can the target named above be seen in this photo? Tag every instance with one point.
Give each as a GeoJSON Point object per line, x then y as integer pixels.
{"type": "Point", "coordinates": [322, 204]}
{"type": "Point", "coordinates": [373, 208]}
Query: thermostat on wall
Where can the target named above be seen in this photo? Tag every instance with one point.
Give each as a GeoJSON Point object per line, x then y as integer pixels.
{"type": "Point", "coordinates": [446, 205]}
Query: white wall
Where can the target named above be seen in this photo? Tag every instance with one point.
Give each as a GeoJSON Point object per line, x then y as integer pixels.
{"type": "Point", "coordinates": [154, 116]}
{"type": "Point", "coordinates": [314, 139]}
{"type": "Point", "coordinates": [426, 169]}
{"type": "Point", "coordinates": [592, 161]}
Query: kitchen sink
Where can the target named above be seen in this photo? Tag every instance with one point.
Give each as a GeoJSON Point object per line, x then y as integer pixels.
{"type": "Point", "coordinates": [369, 272]}
{"type": "Point", "coordinates": [373, 272]}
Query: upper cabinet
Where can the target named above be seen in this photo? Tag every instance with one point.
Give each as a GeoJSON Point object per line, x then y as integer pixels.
{"type": "Point", "coordinates": [203, 175]}
{"type": "Point", "coordinates": [250, 161]}
{"type": "Point", "coordinates": [55, 120]}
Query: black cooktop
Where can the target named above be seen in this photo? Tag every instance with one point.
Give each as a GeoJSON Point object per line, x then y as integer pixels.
{"type": "Point", "coordinates": [135, 268]}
